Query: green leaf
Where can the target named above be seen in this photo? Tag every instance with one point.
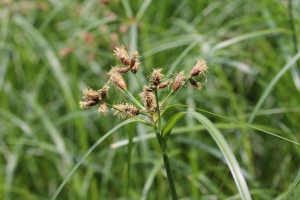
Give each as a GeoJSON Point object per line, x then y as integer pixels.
{"type": "Point", "coordinates": [166, 131]}
{"type": "Point", "coordinates": [223, 146]}
{"type": "Point", "coordinates": [294, 186]}
{"type": "Point", "coordinates": [88, 153]}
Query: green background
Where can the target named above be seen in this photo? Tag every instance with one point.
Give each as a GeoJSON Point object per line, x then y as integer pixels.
{"type": "Point", "coordinates": [51, 50]}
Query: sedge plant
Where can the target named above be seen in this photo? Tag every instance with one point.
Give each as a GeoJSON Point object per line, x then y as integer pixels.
{"type": "Point", "coordinates": [150, 108]}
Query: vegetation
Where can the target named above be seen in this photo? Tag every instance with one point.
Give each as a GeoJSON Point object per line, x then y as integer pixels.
{"type": "Point", "coordinates": [50, 51]}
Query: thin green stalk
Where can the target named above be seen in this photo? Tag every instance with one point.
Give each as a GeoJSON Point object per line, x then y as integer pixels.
{"type": "Point", "coordinates": [158, 110]}
{"type": "Point", "coordinates": [137, 78]}
{"type": "Point", "coordinates": [163, 101]}
{"type": "Point", "coordinates": [128, 94]}
{"type": "Point", "coordinates": [168, 170]}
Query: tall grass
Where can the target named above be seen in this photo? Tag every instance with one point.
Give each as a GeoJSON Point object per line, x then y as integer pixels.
{"type": "Point", "coordinates": [51, 50]}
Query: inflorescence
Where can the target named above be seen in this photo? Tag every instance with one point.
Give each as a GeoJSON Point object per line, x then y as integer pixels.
{"type": "Point", "coordinates": [148, 95]}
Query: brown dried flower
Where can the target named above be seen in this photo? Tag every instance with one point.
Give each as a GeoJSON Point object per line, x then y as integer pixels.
{"type": "Point", "coordinates": [156, 77]}
{"type": "Point", "coordinates": [84, 104]}
{"type": "Point", "coordinates": [148, 98]}
{"type": "Point", "coordinates": [90, 95]}
{"type": "Point", "coordinates": [125, 110]}
{"type": "Point", "coordinates": [116, 78]}
{"type": "Point", "coordinates": [149, 88]}
{"type": "Point", "coordinates": [103, 92]}
{"type": "Point", "coordinates": [122, 55]}
{"type": "Point", "coordinates": [178, 80]}
{"type": "Point", "coordinates": [123, 70]}
{"type": "Point", "coordinates": [200, 68]}
{"type": "Point", "coordinates": [103, 110]}
{"type": "Point", "coordinates": [135, 56]}
{"type": "Point", "coordinates": [195, 84]}
{"type": "Point", "coordinates": [165, 84]}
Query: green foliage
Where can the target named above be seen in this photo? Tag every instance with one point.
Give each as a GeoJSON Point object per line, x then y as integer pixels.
{"type": "Point", "coordinates": [51, 50]}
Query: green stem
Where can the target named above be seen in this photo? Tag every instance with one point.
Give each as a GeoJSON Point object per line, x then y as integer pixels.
{"type": "Point", "coordinates": [137, 78]}
{"type": "Point", "coordinates": [128, 94]}
{"type": "Point", "coordinates": [163, 101]}
{"type": "Point", "coordinates": [168, 170]}
{"type": "Point", "coordinates": [158, 110]}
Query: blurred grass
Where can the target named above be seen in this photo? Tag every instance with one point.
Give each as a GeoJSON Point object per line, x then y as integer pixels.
{"type": "Point", "coordinates": [51, 50]}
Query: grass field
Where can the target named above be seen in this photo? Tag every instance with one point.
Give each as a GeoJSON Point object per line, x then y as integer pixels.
{"type": "Point", "coordinates": [51, 50]}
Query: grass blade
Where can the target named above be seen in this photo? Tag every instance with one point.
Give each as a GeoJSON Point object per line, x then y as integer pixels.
{"type": "Point", "coordinates": [227, 152]}
{"type": "Point", "coordinates": [166, 131]}
{"type": "Point", "coordinates": [294, 186]}
{"type": "Point", "coordinates": [222, 144]}
{"type": "Point", "coordinates": [271, 85]}
{"type": "Point", "coordinates": [86, 155]}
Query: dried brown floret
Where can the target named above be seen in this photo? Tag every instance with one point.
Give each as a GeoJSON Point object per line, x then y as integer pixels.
{"type": "Point", "coordinates": [149, 88]}
{"type": "Point", "coordinates": [123, 70]}
{"type": "Point", "coordinates": [178, 80]}
{"type": "Point", "coordinates": [156, 77]}
{"type": "Point", "coordinates": [84, 104]}
{"type": "Point", "coordinates": [195, 84]}
{"type": "Point", "coordinates": [122, 55]}
{"type": "Point", "coordinates": [136, 66]}
{"type": "Point", "coordinates": [165, 84]}
{"type": "Point", "coordinates": [103, 110]}
{"type": "Point", "coordinates": [135, 56]}
{"type": "Point", "coordinates": [116, 78]}
{"type": "Point", "coordinates": [131, 110]}
{"type": "Point", "coordinates": [200, 68]}
{"type": "Point", "coordinates": [90, 95]}
{"type": "Point", "coordinates": [125, 110]}
{"type": "Point", "coordinates": [148, 98]}
{"type": "Point", "coordinates": [103, 92]}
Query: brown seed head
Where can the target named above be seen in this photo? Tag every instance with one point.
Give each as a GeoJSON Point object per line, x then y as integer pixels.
{"type": "Point", "coordinates": [103, 92]}
{"type": "Point", "coordinates": [165, 84]}
{"type": "Point", "coordinates": [125, 110]}
{"type": "Point", "coordinates": [123, 70]}
{"type": "Point", "coordinates": [148, 88]}
{"type": "Point", "coordinates": [84, 104]}
{"type": "Point", "coordinates": [90, 95]}
{"type": "Point", "coordinates": [195, 84]}
{"type": "Point", "coordinates": [119, 110]}
{"type": "Point", "coordinates": [131, 110]}
{"type": "Point", "coordinates": [122, 55]}
{"type": "Point", "coordinates": [148, 98]}
{"type": "Point", "coordinates": [200, 68]}
{"type": "Point", "coordinates": [136, 66]}
{"type": "Point", "coordinates": [103, 110]}
{"type": "Point", "coordinates": [116, 78]}
{"type": "Point", "coordinates": [134, 58]}
{"type": "Point", "coordinates": [178, 80]}
{"type": "Point", "coordinates": [156, 77]}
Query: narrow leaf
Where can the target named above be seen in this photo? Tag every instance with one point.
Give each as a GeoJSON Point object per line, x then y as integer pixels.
{"type": "Point", "coordinates": [227, 152]}
{"type": "Point", "coordinates": [86, 155]}
{"type": "Point", "coordinates": [294, 186]}
{"type": "Point", "coordinates": [166, 131]}
{"type": "Point", "coordinates": [223, 146]}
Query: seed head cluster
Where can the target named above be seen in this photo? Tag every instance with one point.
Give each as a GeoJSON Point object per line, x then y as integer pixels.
{"type": "Point", "coordinates": [131, 63]}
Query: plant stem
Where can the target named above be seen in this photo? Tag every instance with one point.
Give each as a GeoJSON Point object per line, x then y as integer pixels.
{"type": "Point", "coordinates": [163, 147]}
{"type": "Point", "coordinates": [168, 169]}
{"type": "Point", "coordinates": [163, 101]}
{"type": "Point", "coordinates": [158, 110]}
{"type": "Point", "coordinates": [127, 93]}
{"type": "Point", "coordinates": [137, 78]}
